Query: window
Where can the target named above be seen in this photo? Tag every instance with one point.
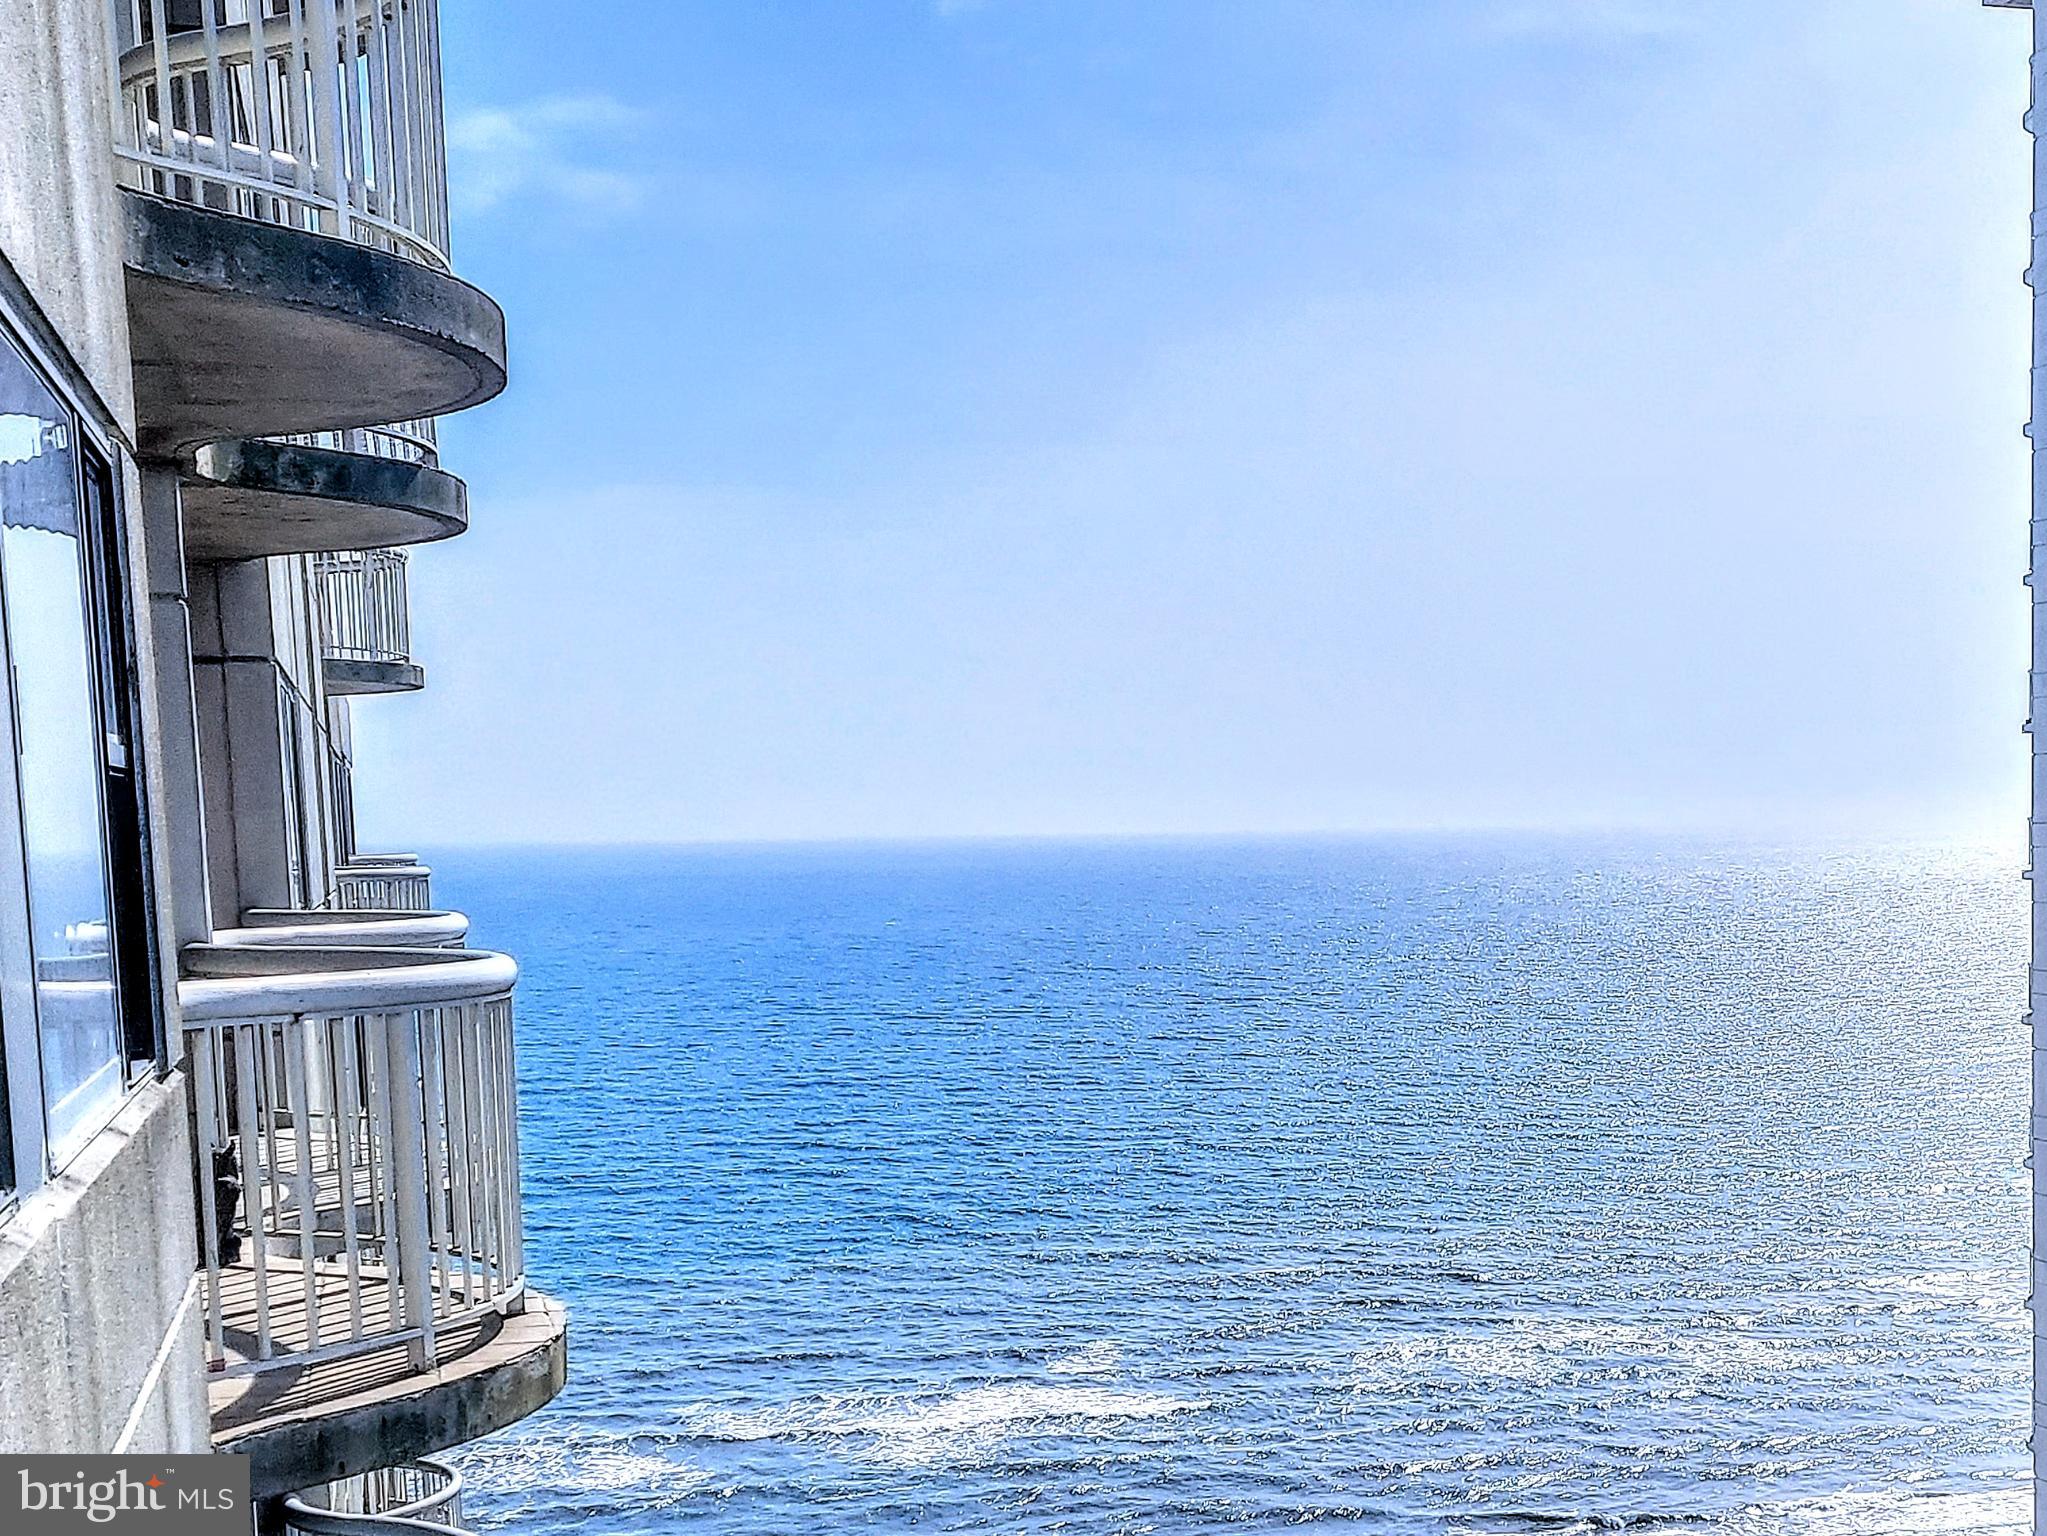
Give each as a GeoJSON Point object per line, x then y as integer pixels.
{"type": "Point", "coordinates": [80, 930]}
{"type": "Point", "coordinates": [127, 834]}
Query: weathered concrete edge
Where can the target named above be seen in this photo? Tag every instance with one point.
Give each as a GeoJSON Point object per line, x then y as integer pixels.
{"type": "Point", "coordinates": [421, 1415]}
{"type": "Point", "coordinates": [295, 470]}
{"type": "Point", "coordinates": [349, 678]}
{"type": "Point", "coordinates": [178, 243]}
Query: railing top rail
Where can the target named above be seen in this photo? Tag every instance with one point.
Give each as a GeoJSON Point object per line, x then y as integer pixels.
{"type": "Point", "coordinates": [227, 981]}
{"type": "Point", "coordinates": [361, 870]}
{"type": "Point", "coordinates": [234, 41]}
{"type": "Point", "coordinates": [385, 927]}
{"type": "Point", "coordinates": [383, 861]}
{"type": "Point", "coordinates": [446, 1490]}
{"type": "Point", "coordinates": [429, 1511]}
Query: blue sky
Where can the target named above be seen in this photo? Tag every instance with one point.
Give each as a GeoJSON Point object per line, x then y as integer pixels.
{"type": "Point", "coordinates": [1046, 416]}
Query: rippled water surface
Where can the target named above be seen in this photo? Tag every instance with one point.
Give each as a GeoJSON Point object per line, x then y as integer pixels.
{"type": "Point", "coordinates": [1406, 1186]}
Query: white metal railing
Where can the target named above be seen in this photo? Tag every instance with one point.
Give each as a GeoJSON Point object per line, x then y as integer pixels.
{"type": "Point", "coordinates": [390, 1501]}
{"type": "Point", "coordinates": [365, 613]}
{"type": "Point", "coordinates": [349, 928]}
{"type": "Point", "coordinates": [320, 114]}
{"type": "Point", "coordinates": [357, 1113]}
{"type": "Point", "coordinates": [365, 885]}
{"type": "Point", "coordinates": [414, 442]}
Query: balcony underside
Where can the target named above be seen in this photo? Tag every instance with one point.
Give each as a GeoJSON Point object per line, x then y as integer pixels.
{"type": "Point", "coordinates": [247, 329]}
{"type": "Point", "coordinates": [334, 1418]}
{"type": "Point", "coordinates": [245, 498]}
{"type": "Point", "coordinates": [345, 676]}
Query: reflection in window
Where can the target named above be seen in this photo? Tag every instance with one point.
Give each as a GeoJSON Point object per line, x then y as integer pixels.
{"type": "Point", "coordinates": [42, 580]}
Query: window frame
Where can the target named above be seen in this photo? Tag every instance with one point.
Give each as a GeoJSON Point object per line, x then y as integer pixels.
{"type": "Point", "coordinates": [107, 583]}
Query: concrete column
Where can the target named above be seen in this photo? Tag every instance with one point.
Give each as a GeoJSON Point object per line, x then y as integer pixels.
{"type": "Point", "coordinates": [178, 794]}
{"type": "Point", "coordinates": [241, 740]}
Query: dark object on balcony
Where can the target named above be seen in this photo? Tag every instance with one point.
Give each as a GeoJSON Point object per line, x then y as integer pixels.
{"type": "Point", "coordinates": [227, 1201]}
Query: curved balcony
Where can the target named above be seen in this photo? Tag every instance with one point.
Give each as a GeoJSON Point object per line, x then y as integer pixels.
{"type": "Point", "coordinates": [364, 1275]}
{"type": "Point", "coordinates": [394, 882]}
{"type": "Point", "coordinates": [358, 928]}
{"type": "Point", "coordinates": [248, 497]}
{"type": "Point", "coordinates": [366, 622]}
{"type": "Point", "coordinates": [296, 201]}
{"type": "Point", "coordinates": [247, 329]}
{"type": "Point", "coordinates": [391, 1501]}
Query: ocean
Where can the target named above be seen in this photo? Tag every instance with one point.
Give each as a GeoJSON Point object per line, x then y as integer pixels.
{"type": "Point", "coordinates": [1438, 1186]}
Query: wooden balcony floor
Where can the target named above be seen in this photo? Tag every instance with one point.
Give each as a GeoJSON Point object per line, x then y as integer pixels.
{"type": "Point", "coordinates": [241, 1405]}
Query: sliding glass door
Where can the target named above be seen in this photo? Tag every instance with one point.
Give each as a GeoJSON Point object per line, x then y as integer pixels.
{"type": "Point", "coordinates": [66, 742]}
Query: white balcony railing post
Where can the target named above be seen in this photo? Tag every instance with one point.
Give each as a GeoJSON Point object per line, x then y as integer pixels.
{"type": "Point", "coordinates": [408, 1135]}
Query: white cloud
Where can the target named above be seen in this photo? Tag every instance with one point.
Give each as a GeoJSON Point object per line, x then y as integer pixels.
{"type": "Point", "coordinates": [555, 148]}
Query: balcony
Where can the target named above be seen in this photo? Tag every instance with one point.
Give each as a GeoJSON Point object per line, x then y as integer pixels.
{"type": "Point", "coordinates": [305, 493]}
{"type": "Point", "coordinates": [355, 928]}
{"type": "Point", "coordinates": [286, 221]}
{"type": "Point", "coordinates": [392, 882]}
{"type": "Point", "coordinates": [393, 1501]}
{"type": "Point", "coordinates": [364, 1280]}
{"type": "Point", "coordinates": [366, 623]}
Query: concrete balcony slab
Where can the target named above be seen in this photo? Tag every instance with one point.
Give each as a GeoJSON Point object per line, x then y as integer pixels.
{"type": "Point", "coordinates": [245, 498]}
{"type": "Point", "coordinates": [247, 329]}
{"type": "Point", "coordinates": [347, 676]}
{"type": "Point", "coordinates": [334, 1418]}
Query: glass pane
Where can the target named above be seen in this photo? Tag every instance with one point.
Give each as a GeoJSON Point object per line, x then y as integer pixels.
{"type": "Point", "coordinates": [64, 837]}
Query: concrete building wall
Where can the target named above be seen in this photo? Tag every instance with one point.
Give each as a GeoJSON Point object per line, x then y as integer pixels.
{"type": "Point", "coordinates": [99, 1317]}
{"type": "Point", "coordinates": [58, 221]}
{"type": "Point", "coordinates": [266, 735]}
{"type": "Point", "coordinates": [99, 1334]}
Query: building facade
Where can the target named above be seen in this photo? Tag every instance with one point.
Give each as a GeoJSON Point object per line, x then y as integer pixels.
{"type": "Point", "coordinates": [2036, 725]}
{"type": "Point", "coordinates": [259, 1157]}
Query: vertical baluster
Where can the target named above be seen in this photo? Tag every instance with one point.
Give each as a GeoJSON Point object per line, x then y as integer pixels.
{"type": "Point", "coordinates": [381, 103]}
{"type": "Point", "coordinates": [508, 1077]}
{"type": "Point", "coordinates": [377, 1055]}
{"type": "Point", "coordinates": [460, 1163]}
{"type": "Point", "coordinates": [219, 118]}
{"type": "Point", "coordinates": [355, 175]}
{"type": "Point", "coordinates": [434, 1095]}
{"type": "Point", "coordinates": [432, 121]}
{"type": "Point", "coordinates": [255, 1174]}
{"type": "Point", "coordinates": [409, 1170]}
{"type": "Point", "coordinates": [487, 1133]}
{"type": "Point", "coordinates": [479, 1151]}
{"type": "Point", "coordinates": [272, 1100]}
{"type": "Point", "coordinates": [305, 1190]}
{"type": "Point", "coordinates": [348, 1113]}
{"type": "Point", "coordinates": [401, 566]}
{"type": "Point", "coordinates": [166, 114]}
{"type": "Point", "coordinates": [408, 55]}
{"type": "Point", "coordinates": [305, 115]}
{"type": "Point", "coordinates": [206, 1091]}
{"type": "Point", "coordinates": [259, 98]}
